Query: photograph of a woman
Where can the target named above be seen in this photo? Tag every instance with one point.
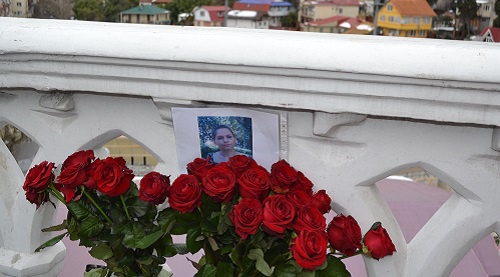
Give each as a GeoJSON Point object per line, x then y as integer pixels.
{"type": "Point", "coordinates": [220, 133]}
{"type": "Point", "coordinates": [222, 137]}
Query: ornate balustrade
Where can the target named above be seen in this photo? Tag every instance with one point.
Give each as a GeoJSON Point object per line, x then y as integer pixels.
{"type": "Point", "coordinates": [353, 110]}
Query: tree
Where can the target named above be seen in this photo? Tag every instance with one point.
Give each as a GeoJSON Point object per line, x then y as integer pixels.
{"type": "Point", "coordinates": [99, 10]}
{"type": "Point", "coordinates": [57, 9]}
{"type": "Point", "coordinates": [468, 11]}
{"type": "Point", "coordinates": [290, 20]}
{"type": "Point", "coordinates": [90, 10]}
{"type": "Point", "coordinates": [183, 6]}
{"type": "Point", "coordinates": [496, 22]}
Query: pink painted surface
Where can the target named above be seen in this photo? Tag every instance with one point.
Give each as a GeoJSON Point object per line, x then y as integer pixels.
{"type": "Point", "coordinates": [413, 204]}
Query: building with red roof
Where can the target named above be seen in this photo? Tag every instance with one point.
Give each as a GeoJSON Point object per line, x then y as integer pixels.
{"type": "Point", "coordinates": [211, 16]}
{"type": "Point", "coordinates": [317, 10]}
{"type": "Point", "coordinates": [339, 24]}
{"type": "Point", "coordinates": [490, 34]}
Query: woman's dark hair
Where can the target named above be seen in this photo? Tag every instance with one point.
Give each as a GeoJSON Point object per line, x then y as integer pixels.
{"type": "Point", "coordinates": [214, 132]}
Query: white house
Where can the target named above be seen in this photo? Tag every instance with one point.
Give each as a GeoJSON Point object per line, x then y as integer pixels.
{"type": "Point", "coordinates": [247, 19]}
{"type": "Point", "coordinates": [209, 15]}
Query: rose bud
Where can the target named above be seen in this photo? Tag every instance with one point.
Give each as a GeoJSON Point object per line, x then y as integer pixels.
{"type": "Point", "coordinates": [254, 183]}
{"type": "Point", "coordinates": [303, 183]}
{"type": "Point", "coordinates": [112, 177]}
{"type": "Point", "coordinates": [185, 193]}
{"type": "Point", "coordinates": [309, 218]}
{"type": "Point", "coordinates": [278, 214]}
{"type": "Point", "coordinates": [74, 173]}
{"type": "Point", "coordinates": [154, 188]}
{"type": "Point", "coordinates": [344, 234]}
{"type": "Point", "coordinates": [37, 181]}
{"type": "Point", "coordinates": [240, 164]}
{"type": "Point", "coordinates": [299, 198]}
{"type": "Point", "coordinates": [220, 183]}
{"type": "Point", "coordinates": [322, 201]}
{"type": "Point", "coordinates": [378, 242]}
{"type": "Point", "coordinates": [283, 177]}
{"type": "Point", "coordinates": [246, 217]}
{"type": "Point", "coordinates": [309, 249]}
{"type": "Point", "coordinates": [199, 167]}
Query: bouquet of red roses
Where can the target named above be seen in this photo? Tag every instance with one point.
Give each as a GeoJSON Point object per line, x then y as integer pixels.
{"type": "Point", "coordinates": [106, 212]}
{"type": "Point", "coordinates": [251, 222]}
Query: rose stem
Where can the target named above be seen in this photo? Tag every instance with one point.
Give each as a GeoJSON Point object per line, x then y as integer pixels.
{"type": "Point", "coordinates": [96, 205]}
{"type": "Point", "coordinates": [125, 206]}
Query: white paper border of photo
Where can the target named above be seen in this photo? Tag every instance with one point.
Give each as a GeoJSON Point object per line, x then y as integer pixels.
{"type": "Point", "coordinates": [265, 131]}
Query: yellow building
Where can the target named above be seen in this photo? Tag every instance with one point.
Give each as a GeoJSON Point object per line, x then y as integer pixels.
{"type": "Point", "coordinates": [405, 18]}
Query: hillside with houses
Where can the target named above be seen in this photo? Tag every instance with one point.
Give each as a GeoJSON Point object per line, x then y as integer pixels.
{"type": "Point", "coordinates": [442, 19]}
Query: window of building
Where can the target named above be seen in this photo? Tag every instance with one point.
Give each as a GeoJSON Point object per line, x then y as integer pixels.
{"type": "Point", "coordinates": [19, 4]}
{"type": "Point", "coordinates": [340, 11]}
{"type": "Point", "coordinates": [202, 13]}
{"type": "Point", "coordinates": [397, 19]}
{"type": "Point", "coordinates": [391, 18]}
{"type": "Point", "coordinates": [486, 8]}
{"type": "Point", "coordinates": [427, 20]}
{"type": "Point", "coordinates": [416, 20]}
{"type": "Point", "coordinates": [389, 7]}
{"type": "Point", "coordinates": [382, 18]}
{"type": "Point", "coordinates": [421, 33]}
{"type": "Point", "coordinates": [321, 30]}
{"type": "Point", "coordinates": [412, 33]}
{"type": "Point", "coordinates": [406, 20]}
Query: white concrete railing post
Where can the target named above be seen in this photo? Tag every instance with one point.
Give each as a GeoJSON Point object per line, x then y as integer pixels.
{"type": "Point", "coordinates": [357, 109]}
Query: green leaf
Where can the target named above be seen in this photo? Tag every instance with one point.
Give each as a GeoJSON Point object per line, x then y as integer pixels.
{"type": "Point", "coordinates": [50, 242]}
{"type": "Point", "coordinates": [90, 227]}
{"type": "Point", "coordinates": [307, 273]}
{"type": "Point", "coordinates": [164, 273]}
{"type": "Point", "coordinates": [60, 227]}
{"type": "Point", "coordinates": [166, 219]}
{"type": "Point", "coordinates": [96, 272]}
{"type": "Point", "coordinates": [77, 210]}
{"type": "Point", "coordinates": [285, 270]}
{"type": "Point", "coordinates": [335, 268]}
{"type": "Point", "coordinates": [262, 266]}
{"type": "Point", "coordinates": [235, 254]}
{"type": "Point", "coordinates": [139, 208]}
{"type": "Point", "coordinates": [208, 270]}
{"type": "Point", "coordinates": [148, 240]}
{"type": "Point", "coordinates": [224, 269]}
{"type": "Point", "coordinates": [186, 221]}
{"type": "Point", "coordinates": [133, 235]}
{"type": "Point", "coordinates": [101, 252]}
{"type": "Point", "coordinates": [194, 240]}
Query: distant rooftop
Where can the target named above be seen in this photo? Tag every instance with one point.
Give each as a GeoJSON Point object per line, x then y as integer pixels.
{"type": "Point", "coordinates": [146, 9]}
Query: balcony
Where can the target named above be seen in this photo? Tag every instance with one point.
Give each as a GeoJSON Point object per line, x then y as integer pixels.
{"type": "Point", "coordinates": [352, 110]}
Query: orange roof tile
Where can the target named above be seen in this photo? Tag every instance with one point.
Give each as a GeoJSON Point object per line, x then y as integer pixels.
{"type": "Point", "coordinates": [413, 7]}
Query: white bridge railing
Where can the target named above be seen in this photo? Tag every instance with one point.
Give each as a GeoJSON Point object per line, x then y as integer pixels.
{"type": "Point", "coordinates": [355, 109]}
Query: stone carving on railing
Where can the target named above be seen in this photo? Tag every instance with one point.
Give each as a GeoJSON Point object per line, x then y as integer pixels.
{"type": "Point", "coordinates": [348, 118]}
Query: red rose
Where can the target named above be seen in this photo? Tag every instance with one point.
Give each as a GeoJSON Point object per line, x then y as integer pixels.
{"type": "Point", "coordinates": [278, 214]}
{"type": "Point", "coordinates": [344, 234]}
{"type": "Point", "coordinates": [304, 183]}
{"type": "Point", "coordinates": [74, 172]}
{"type": "Point", "coordinates": [309, 218]}
{"type": "Point", "coordinates": [322, 201]}
{"type": "Point", "coordinates": [39, 177]}
{"type": "Point", "coordinates": [254, 183]}
{"type": "Point", "coordinates": [199, 167]}
{"type": "Point", "coordinates": [185, 193]}
{"type": "Point", "coordinates": [37, 181]}
{"type": "Point", "coordinates": [241, 163]}
{"type": "Point", "coordinates": [378, 242]}
{"type": "Point", "coordinates": [246, 217]}
{"type": "Point", "coordinates": [299, 198]}
{"type": "Point", "coordinates": [283, 177]}
{"type": "Point", "coordinates": [220, 183]}
{"type": "Point", "coordinates": [154, 188]}
{"type": "Point", "coordinates": [112, 177]}
{"type": "Point", "coordinates": [309, 249]}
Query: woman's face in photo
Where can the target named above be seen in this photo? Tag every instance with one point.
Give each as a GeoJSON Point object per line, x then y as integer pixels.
{"type": "Point", "coordinates": [225, 139]}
